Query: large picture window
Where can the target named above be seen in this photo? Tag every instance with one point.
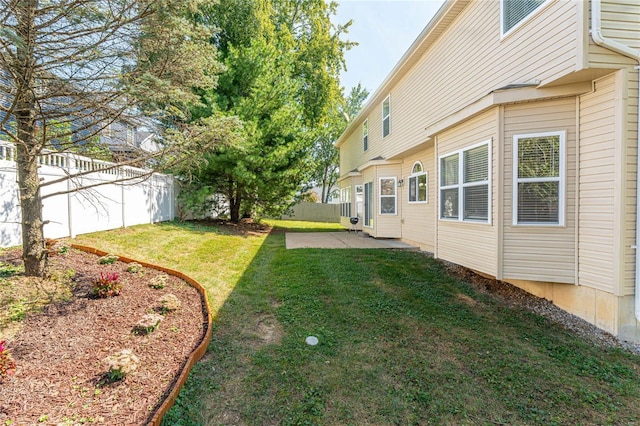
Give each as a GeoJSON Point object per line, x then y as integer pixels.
{"type": "Point", "coordinates": [465, 184]}
{"type": "Point", "coordinates": [418, 184]}
{"type": "Point", "coordinates": [368, 204]}
{"type": "Point", "coordinates": [515, 11]}
{"type": "Point", "coordinates": [388, 200]}
{"type": "Point", "coordinates": [345, 202]}
{"type": "Point", "coordinates": [538, 185]}
{"type": "Point", "coordinates": [386, 116]}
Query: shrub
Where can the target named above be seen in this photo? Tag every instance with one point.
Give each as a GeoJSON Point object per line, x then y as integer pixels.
{"type": "Point", "coordinates": [134, 267]}
{"type": "Point", "coordinates": [169, 303]}
{"type": "Point", "coordinates": [148, 323]}
{"type": "Point", "coordinates": [159, 281]}
{"type": "Point", "coordinates": [7, 364]}
{"type": "Point", "coordinates": [120, 364]}
{"type": "Point", "coordinates": [108, 259]}
{"type": "Point", "coordinates": [107, 285]}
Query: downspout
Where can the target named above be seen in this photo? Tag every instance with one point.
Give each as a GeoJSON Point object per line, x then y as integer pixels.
{"type": "Point", "coordinates": [601, 40]}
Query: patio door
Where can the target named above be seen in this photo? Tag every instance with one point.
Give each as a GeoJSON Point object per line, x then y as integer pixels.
{"type": "Point", "coordinates": [368, 204]}
{"type": "Point", "coordinates": [360, 202]}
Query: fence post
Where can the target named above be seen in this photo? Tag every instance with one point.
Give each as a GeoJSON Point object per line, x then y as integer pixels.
{"type": "Point", "coordinates": [122, 195]}
{"type": "Point", "coordinates": [70, 165]}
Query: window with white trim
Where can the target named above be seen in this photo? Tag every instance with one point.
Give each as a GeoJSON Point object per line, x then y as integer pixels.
{"type": "Point", "coordinates": [539, 178]}
{"type": "Point", "coordinates": [515, 11]}
{"type": "Point", "coordinates": [465, 184]}
{"type": "Point", "coordinates": [386, 116]}
{"type": "Point", "coordinates": [359, 200]}
{"type": "Point", "coordinates": [417, 184]}
{"type": "Point", "coordinates": [345, 201]}
{"type": "Point", "coordinates": [368, 205]}
{"type": "Point", "coordinates": [365, 135]}
{"type": "Point", "coordinates": [388, 199]}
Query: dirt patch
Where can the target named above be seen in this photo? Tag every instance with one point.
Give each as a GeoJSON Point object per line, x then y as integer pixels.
{"type": "Point", "coordinates": [243, 227]}
{"type": "Point", "coordinates": [467, 300]}
{"type": "Point", "coordinates": [265, 331]}
{"type": "Point", "coordinates": [516, 297]}
{"type": "Point", "coordinates": [60, 352]}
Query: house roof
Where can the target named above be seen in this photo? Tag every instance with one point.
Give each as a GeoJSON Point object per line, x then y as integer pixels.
{"type": "Point", "coordinates": [438, 24]}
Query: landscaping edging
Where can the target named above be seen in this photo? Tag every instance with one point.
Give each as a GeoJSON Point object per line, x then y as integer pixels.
{"type": "Point", "coordinates": [197, 353]}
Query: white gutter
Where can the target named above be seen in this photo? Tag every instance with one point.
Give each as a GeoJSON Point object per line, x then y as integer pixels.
{"type": "Point", "coordinates": [601, 40]}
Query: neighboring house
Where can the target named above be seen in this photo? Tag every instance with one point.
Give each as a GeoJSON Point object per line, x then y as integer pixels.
{"type": "Point", "coordinates": [334, 194]}
{"type": "Point", "coordinates": [505, 140]}
{"type": "Point", "coordinates": [125, 138]}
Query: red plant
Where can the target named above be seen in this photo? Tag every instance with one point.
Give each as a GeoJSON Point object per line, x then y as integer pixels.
{"type": "Point", "coordinates": [107, 285]}
{"type": "Point", "coordinates": [7, 364]}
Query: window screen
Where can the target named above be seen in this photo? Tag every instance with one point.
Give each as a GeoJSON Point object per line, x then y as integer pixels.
{"type": "Point", "coordinates": [539, 177]}
{"type": "Point", "coordinates": [514, 11]}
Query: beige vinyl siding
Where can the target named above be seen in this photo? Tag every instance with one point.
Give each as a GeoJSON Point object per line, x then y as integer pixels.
{"type": "Point", "coordinates": [468, 62]}
{"type": "Point", "coordinates": [470, 244]}
{"type": "Point", "coordinates": [620, 22]}
{"type": "Point", "coordinates": [352, 153]}
{"type": "Point", "coordinates": [418, 223]}
{"type": "Point", "coordinates": [596, 266]}
{"type": "Point", "coordinates": [630, 198]}
{"type": "Point", "coordinates": [350, 157]}
{"type": "Point", "coordinates": [540, 253]}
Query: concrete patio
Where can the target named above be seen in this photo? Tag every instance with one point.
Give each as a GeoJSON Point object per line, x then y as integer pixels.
{"type": "Point", "coordinates": [343, 239]}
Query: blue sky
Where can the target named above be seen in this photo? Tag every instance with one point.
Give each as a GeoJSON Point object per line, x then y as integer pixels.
{"type": "Point", "coordinates": [384, 30]}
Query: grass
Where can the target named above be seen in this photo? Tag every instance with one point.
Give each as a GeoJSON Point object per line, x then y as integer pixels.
{"type": "Point", "coordinates": [401, 342]}
{"type": "Point", "coordinates": [21, 296]}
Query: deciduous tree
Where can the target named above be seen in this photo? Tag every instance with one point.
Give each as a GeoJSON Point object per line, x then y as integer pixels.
{"type": "Point", "coordinates": [325, 156]}
{"type": "Point", "coordinates": [69, 68]}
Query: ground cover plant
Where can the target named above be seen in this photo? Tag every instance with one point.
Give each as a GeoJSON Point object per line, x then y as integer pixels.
{"type": "Point", "coordinates": [401, 341]}
{"type": "Point", "coordinates": [73, 357]}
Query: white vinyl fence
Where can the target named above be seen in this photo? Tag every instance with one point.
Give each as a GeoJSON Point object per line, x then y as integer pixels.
{"type": "Point", "coordinates": [144, 199]}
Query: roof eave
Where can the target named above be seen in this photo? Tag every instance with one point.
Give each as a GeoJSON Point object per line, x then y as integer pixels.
{"type": "Point", "coordinates": [406, 61]}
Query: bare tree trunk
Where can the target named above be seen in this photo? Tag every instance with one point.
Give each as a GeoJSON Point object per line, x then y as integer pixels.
{"type": "Point", "coordinates": [33, 248]}
{"type": "Point", "coordinates": [235, 200]}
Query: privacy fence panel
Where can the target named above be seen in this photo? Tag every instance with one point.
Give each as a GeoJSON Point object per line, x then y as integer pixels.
{"type": "Point", "coordinates": [110, 202]}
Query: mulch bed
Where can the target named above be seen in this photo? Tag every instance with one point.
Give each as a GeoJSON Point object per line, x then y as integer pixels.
{"type": "Point", "coordinates": [60, 377]}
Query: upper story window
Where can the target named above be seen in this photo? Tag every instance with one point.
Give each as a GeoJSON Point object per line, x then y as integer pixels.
{"type": "Point", "coordinates": [386, 116]}
{"type": "Point", "coordinates": [365, 134]}
{"type": "Point", "coordinates": [515, 11]}
{"type": "Point", "coordinates": [465, 184]}
{"type": "Point", "coordinates": [539, 179]}
{"type": "Point", "coordinates": [418, 184]}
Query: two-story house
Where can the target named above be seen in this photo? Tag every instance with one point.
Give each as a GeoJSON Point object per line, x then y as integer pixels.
{"type": "Point", "coordinates": [506, 140]}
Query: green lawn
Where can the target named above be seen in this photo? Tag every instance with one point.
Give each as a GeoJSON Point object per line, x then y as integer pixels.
{"type": "Point", "coordinates": [401, 342]}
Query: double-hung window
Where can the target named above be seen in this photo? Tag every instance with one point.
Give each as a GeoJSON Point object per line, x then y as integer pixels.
{"type": "Point", "coordinates": [386, 116]}
{"type": "Point", "coordinates": [539, 178]}
{"type": "Point", "coordinates": [465, 184]}
{"type": "Point", "coordinates": [365, 135]}
{"type": "Point", "coordinates": [388, 199]}
{"type": "Point", "coordinates": [345, 202]}
{"type": "Point", "coordinates": [515, 11]}
{"type": "Point", "coordinates": [418, 184]}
